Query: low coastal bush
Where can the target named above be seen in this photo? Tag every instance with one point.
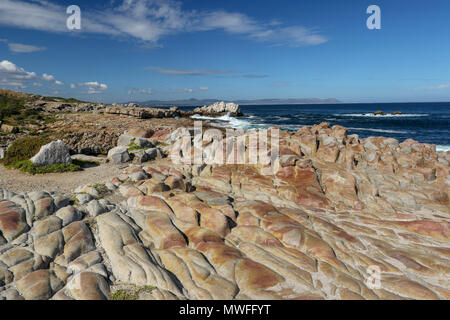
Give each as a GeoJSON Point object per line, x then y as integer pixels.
{"type": "Point", "coordinates": [84, 163]}
{"type": "Point", "coordinates": [133, 147]}
{"type": "Point", "coordinates": [10, 106]}
{"type": "Point", "coordinates": [122, 294]}
{"type": "Point", "coordinates": [28, 167]}
{"type": "Point", "coordinates": [24, 149]}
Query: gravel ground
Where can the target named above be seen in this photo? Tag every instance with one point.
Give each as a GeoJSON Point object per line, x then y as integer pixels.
{"type": "Point", "coordinates": [19, 182]}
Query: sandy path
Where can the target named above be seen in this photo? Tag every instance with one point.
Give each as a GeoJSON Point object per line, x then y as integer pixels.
{"type": "Point", "coordinates": [19, 182]}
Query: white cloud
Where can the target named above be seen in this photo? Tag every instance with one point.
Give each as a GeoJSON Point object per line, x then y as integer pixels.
{"type": "Point", "coordinates": [141, 91]}
{"type": "Point", "coordinates": [12, 75]}
{"type": "Point", "coordinates": [188, 90]}
{"type": "Point", "coordinates": [72, 86]}
{"type": "Point", "coordinates": [437, 87]}
{"type": "Point", "coordinates": [24, 48]}
{"type": "Point", "coordinates": [281, 84]}
{"type": "Point", "coordinates": [15, 76]}
{"type": "Point", "coordinates": [182, 72]}
{"type": "Point", "coordinates": [93, 87]}
{"type": "Point", "coordinates": [151, 20]}
{"type": "Point", "coordinates": [48, 77]}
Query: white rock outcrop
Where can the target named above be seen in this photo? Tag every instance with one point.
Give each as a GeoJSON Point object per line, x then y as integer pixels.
{"type": "Point", "coordinates": [55, 152]}
{"type": "Point", "coordinates": [220, 108]}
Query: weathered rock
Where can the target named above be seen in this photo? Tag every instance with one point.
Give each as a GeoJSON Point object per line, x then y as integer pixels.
{"type": "Point", "coordinates": [12, 220]}
{"type": "Point", "coordinates": [220, 108]}
{"type": "Point", "coordinates": [55, 152]}
{"type": "Point", "coordinates": [119, 155]}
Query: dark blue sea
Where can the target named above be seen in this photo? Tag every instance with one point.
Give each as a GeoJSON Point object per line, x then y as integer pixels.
{"type": "Point", "coordinates": [424, 122]}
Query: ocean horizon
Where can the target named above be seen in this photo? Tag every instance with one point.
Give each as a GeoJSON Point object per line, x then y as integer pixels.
{"type": "Point", "coordinates": [424, 122]}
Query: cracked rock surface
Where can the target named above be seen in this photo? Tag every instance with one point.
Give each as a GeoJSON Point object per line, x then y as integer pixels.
{"type": "Point", "coordinates": [337, 208]}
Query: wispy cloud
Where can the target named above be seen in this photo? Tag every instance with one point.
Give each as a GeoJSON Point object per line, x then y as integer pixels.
{"type": "Point", "coordinates": [24, 48]}
{"type": "Point", "coordinates": [148, 91]}
{"type": "Point", "coordinates": [437, 87]}
{"type": "Point", "coordinates": [151, 20]}
{"type": "Point", "coordinates": [188, 90]}
{"type": "Point", "coordinates": [281, 84]}
{"type": "Point", "coordinates": [94, 87]}
{"type": "Point", "coordinates": [254, 76]}
{"type": "Point", "coordinates": [182, 72]}
{"type": "Point", "coordinates": [15, 76]}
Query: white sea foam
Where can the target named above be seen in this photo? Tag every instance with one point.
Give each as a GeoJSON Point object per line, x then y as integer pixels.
{"type": "Point", "coordinates": [442, 148]}
{"type": "Point", "coordinates": [225, 121]}
{"type": "Point", "coordinates": [371, 115]}
{"type": "Point", "coordinates": [381, 130]}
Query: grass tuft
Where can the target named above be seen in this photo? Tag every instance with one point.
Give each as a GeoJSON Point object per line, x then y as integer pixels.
{"type": "Point", "coordinates": [28, 167]}
{"type": "Point", "coordinates": [24, 149]}
{"type": "Point", "coordinates": [133, 147]}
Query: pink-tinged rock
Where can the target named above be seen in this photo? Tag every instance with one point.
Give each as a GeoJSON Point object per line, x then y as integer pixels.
{"type": "Point", "coordinates": [141, 132]}
{"type": "Point", "coordinates": [340, 186]}
{"type": "Point", "coordinates": [255, 279]}
{"type": "Point", "coordinates": [183, 211]}
{"type": "Point", "coordinates": [78, 241]}
{"type": "Point", "coordinates": [161, 230]}
{"type": "Point", "coordinates": [150, 203]}
{"type": "Point", "coordinates": [39, 285]}
{"type": "Point", "coordinates": [174, 182]}
{"type": "Point", "coordinates": [254, 235]}
{"type": "Point", "coordinates": [129, 191]}
{"type": "Point", "coordinates": [328, 148]}
{"type": "Point", "coordinates": [340, 133]}
{"type": "Point", "coordinates": [12, 220]}
{"type": "Point", "coordinates": [214, 220]}
{"type": "Point", "coordinates": [89, 286]}
{"type": "Point", "coordinates": [161, 135]}
{"type": "Point", "coordinates": [152, 186]}
{"type": "Point", "coordinates": [44, 207]}
{"type": "Point", "coordinates": [434, 229]}
{"type": "Point", "coordinates": [247, 219]}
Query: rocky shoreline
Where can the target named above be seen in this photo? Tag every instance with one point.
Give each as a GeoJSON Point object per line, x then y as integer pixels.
{"type": "Point", "coordinates": [337, 208]}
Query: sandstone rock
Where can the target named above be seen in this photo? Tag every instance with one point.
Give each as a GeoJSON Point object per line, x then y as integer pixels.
{"type": "Point", "coordinates": [220, 108]}
{"type": "Point", "coordinates": [39, 285]}
{"type": "Point", "coordinates": [95, 208]}
{"type": "Point", "coordinates": [88, 286]}
{"type": "Point", "coordinates": [130, 261]}
{"type": "Point", "coordinates": [55, 152]}
{"type": "Point", "coordinates": [68, 215]}
{"type": "Point", "coordinates": [119, 155]}
{"type": "Point", "coordinates": [8, 128]}
{"type": "Point", "coordinates": [12, 220]}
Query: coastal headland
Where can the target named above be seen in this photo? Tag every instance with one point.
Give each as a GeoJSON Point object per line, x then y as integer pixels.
{"type": "Point", "coordinates": [340, 218]}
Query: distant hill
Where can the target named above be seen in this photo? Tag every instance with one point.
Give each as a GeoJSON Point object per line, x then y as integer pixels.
{"type": "Point", "coordinates": [197, 102]}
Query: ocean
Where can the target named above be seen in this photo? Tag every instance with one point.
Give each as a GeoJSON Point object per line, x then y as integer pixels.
{"type": "Point", "coordinates": [424, 122]}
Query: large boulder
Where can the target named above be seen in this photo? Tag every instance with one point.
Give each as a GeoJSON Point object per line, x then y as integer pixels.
{"type": "Point", "coordinates": [119, 155]}
{"type": "Point", "coordinates": [55, 152]}
{"type": "Point", "coordinates": [220, 108]}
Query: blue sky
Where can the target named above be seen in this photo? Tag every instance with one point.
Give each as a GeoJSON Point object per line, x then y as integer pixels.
{"type": "Point", "coordinates": [153, 49]}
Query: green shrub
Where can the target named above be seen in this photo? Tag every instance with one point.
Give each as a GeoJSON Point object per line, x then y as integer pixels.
{"type": "Point", "coordinates": [83, 163]}
{"type": "Point", "coordinates": [133, 147]}
{"type": "Point", "coordinates": [10, 106]}
{"type": "Point", "coordinates": [28, 167]}
{"type": "Point", "coordinates": [132, 294]}
{"type": "Point", "coordinates": [123, 295]}
{"type": "Point", "coordinates": [24, 149]}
